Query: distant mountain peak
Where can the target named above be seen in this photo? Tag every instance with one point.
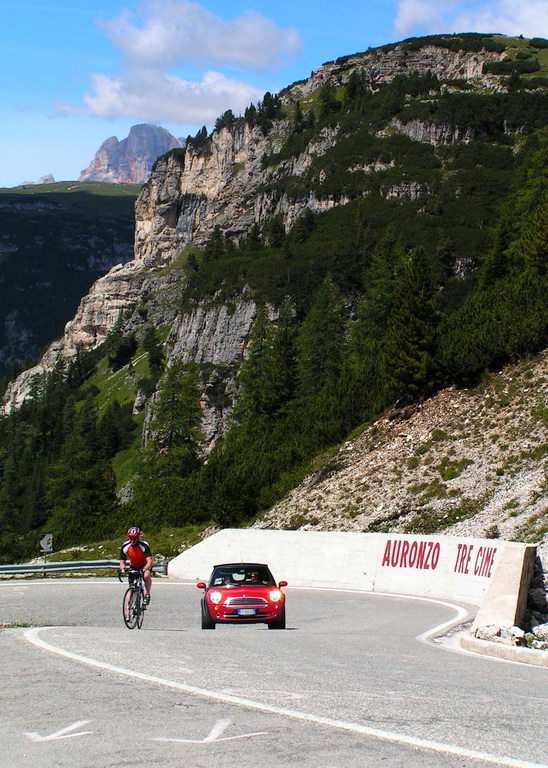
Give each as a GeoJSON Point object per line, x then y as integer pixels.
{"type": "Point", "coordinates": [48, 179]}
{"type": "Point", "coordinates": [130, 161]}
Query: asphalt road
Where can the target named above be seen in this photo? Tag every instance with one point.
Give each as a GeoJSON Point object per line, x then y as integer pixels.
{"type": "Point", "coordinates": [346, 685]}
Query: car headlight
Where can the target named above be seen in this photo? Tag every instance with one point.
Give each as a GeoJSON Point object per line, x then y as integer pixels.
{"type": "Point", "coordinates": [276, 595]}
{"type": "Point", "coordinates": [215, 597]}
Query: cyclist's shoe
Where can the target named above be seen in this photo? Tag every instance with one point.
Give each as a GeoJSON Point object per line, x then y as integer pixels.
{"type": "Point", "coordinates": [146, 599]}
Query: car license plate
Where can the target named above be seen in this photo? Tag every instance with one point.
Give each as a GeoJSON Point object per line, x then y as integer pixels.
{"type": "Point", "coordinates": [246, 612]}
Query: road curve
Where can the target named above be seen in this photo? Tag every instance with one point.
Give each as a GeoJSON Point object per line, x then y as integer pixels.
{"type": "Point", "coordinates": [348, 681]}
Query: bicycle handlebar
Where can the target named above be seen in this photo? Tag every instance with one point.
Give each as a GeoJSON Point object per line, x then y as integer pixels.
{"type": "Point", "coordinates": [126, 571]}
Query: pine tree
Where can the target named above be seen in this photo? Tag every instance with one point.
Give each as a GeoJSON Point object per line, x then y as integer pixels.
{"type": "Point", "coordinates": [534, 242]}
{"type": "Point", "coordinates": [497, 263]}
{"type": "Point", "coordinates": [152, 346]}
{"type": "Point", "coordinates": [408, 358]}
{"type": "Point", "coordinates": [177, 413]}
{"type": "Point", "coordinates": [268, 373]}
{"type": "Point", "coordinates": [283, 368]}
{"type": "Point", "coordinates": [363, 390]}
{"type": "Point", "coordinates": [321, 341]}
{"type": "Point", "coordinates": [364, 240]}
{"type": "Point", "coordinates": [254, 372]}
{"type": "Point", "coordinates": [253, 241]}
{"type": "Point", "coordinates": [329, 104]}
{"type": "Point", "coordinates": [80, 493]}
{"type": "Point", "coordinates": [369, 331]}
{"type": "Point", "coordinates": [276, 232]}
{"type": "Point", "coordinates": [297, 118]}
{"type": "Point", "coordinates": [214, 248]}
{"type": "Point", "coordinates": [303, 226]}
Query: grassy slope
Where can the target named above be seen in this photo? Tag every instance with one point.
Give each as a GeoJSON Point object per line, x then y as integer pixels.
{"type": "Point", "coordinates": [62, 187]}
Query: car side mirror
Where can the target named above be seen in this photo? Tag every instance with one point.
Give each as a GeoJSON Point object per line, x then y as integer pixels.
{"type": "Point", "coordinates": [201, 585]}
{"type": "Point", "coordinates": [282, 584]}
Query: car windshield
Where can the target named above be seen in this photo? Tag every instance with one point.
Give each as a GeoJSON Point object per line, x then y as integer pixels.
{"type": "Point", "coordinates": [247, 575]}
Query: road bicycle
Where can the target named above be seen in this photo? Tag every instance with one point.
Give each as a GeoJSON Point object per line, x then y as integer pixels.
{"type": "Point", "coordinates": [134, 605]}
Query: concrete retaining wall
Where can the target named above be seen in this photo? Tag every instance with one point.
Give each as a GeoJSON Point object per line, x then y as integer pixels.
{"type": "Point", "coordinates": [464, 570]}
{"type": "Point", "coordinates": [505, 602]}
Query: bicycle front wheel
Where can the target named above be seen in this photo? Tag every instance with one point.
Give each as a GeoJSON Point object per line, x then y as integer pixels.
{"type": "Point", "coordinates": [131, 612]}
{"type": "Point", "coordinates": [139, 609]}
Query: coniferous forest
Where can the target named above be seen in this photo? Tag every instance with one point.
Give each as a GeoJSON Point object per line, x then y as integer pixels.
{"type": "Point", "coordinates": [376, 303]}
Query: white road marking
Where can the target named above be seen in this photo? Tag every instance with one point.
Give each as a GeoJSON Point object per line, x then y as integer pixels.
{"type": "Point", "coordinates": [266, 692]}
{"type": "Point", "coordinates": [387, 696]}
{"type": "Point", "coordinates": [64, 733]}
{"type": "Point", "coordinates": [32, 635]}
{"type": "Point", "coordinates": [533, 698]}
{"type": "Point", "coordinates": [215, 735]}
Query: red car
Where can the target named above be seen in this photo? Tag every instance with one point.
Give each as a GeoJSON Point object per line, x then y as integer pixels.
{"type": "Point", "coordinates": [242, 593]}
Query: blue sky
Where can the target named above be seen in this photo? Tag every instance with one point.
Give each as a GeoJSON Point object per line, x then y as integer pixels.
{"type": "Point", "coordinates": [72, 74]}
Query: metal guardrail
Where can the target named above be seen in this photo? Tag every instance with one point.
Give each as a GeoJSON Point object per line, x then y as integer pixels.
{"type": "Point", "coordinates": [68, 565]}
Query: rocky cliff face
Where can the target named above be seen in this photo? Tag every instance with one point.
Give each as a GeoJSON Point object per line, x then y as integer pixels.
{"type": "Point", "coordinates": [130, 161]}
{"type": "Point", "coordinates": [382, 65]}
{"type": "Point", "coordinates": [225, 184]}
{"type": "Point", "coordinates": [214, 337]}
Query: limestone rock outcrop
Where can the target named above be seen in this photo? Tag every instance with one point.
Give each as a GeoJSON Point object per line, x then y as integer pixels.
{"type": "Point", "coordinates": [47, 179]}
{"type": "Point", "coordinates": [383, 64]}
{"type": "Point", "coordinates": [130, 161]}
{"type": "Point", "coordinates": [99, 310]}
{"type": "Point", "coordinates": [212, 335]}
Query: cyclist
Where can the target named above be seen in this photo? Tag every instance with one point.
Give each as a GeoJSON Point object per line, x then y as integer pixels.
{"type": "Point", "coordinates": [137, 551]}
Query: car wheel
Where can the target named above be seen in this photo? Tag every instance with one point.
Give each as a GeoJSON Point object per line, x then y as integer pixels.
{"type": "Point", "coordinates": [207, 621]}
{"type": "Point", "coordinates": [278, 623]}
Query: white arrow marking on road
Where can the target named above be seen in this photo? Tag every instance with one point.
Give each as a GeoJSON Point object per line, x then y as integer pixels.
{"type": "Point", "coordinates": [64, 733]}
{"type": "Point", "coordinates": [215, 734]}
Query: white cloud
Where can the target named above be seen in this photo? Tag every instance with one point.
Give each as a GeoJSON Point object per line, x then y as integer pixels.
{"type": "Point", "coordinates": [176, 33]}
{"type": "Point", "coordinates": [155, 96]}
{"type": "Point", "coordinates": [416, 15]}
{"type": "Point", "coordinates": [510, 17]}
{"type": "Point", "coordinates": [173, 32]}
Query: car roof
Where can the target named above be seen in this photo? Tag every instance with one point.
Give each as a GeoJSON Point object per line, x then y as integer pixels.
{"type": "Point", "coordinates": [241, 565]}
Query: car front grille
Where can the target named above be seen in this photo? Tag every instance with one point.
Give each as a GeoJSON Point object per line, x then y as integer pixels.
{"type": "Point", "coordinates": [245, 601]}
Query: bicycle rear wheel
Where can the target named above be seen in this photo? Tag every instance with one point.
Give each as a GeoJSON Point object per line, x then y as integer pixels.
{"type": "Point", "coordinates": [131, 614]}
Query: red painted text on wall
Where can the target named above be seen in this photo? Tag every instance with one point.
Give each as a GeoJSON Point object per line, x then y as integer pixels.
{"type": "Point", "coordinates": [401, 553]}
{"type": "Point", "coordinates": [480, 561]}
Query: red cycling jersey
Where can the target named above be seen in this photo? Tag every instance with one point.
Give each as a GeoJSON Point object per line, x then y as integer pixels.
{"type": "Point", "coordinates": [137, 554]}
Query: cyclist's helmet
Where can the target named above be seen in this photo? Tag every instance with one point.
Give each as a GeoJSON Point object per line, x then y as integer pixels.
{"type": "Point", "coordinates": [133, 532]}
